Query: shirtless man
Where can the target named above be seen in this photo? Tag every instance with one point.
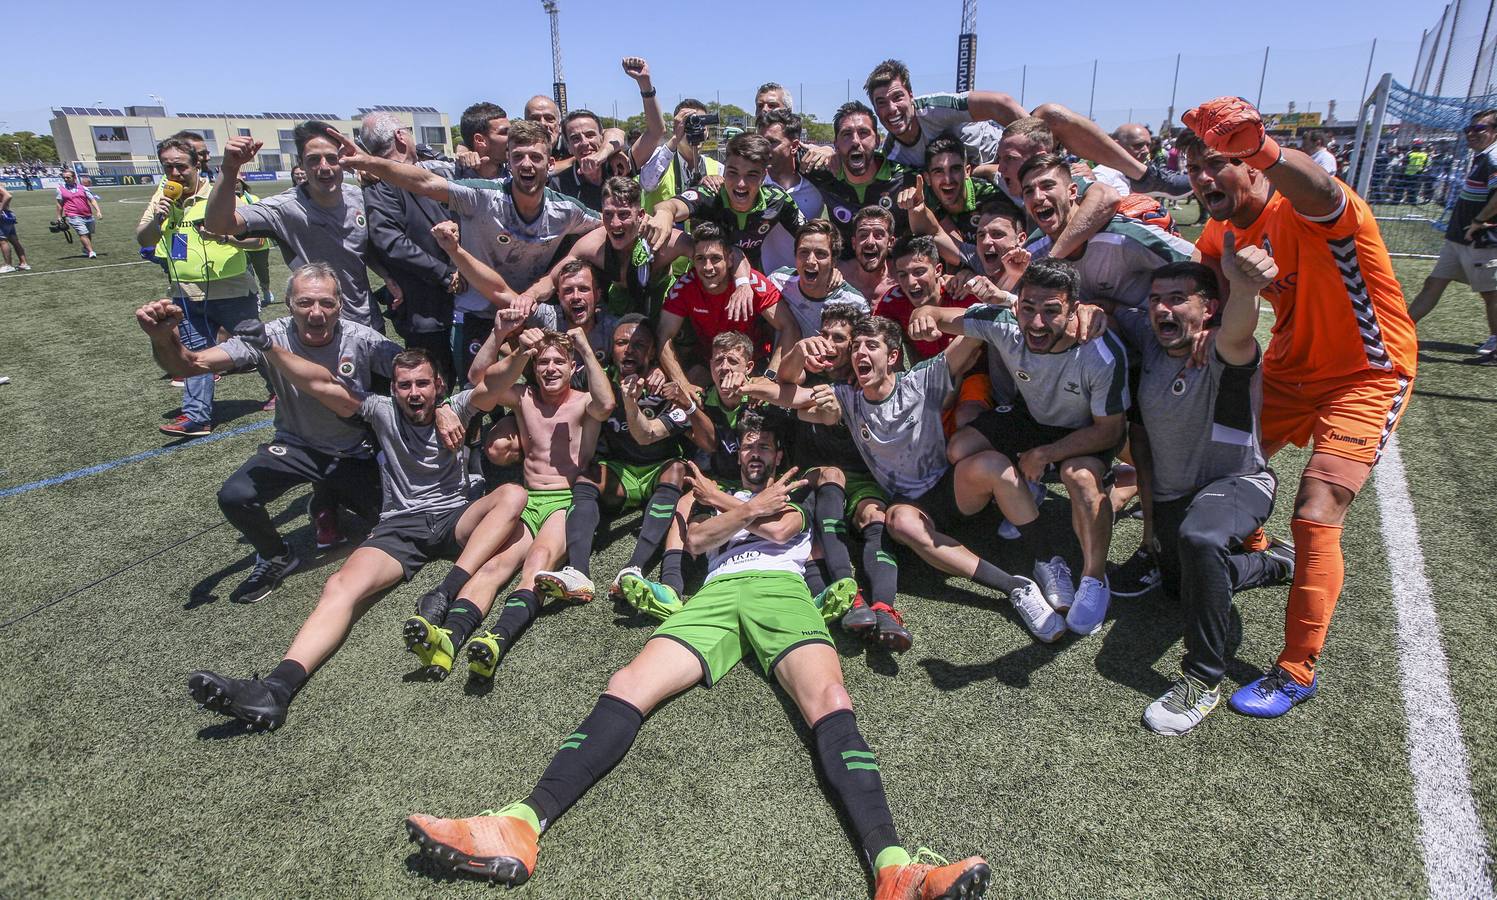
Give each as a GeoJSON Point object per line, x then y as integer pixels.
{"type": "Point", "coordinates": [548, 410]}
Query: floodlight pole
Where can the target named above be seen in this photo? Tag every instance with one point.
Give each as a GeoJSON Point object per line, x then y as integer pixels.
{"type": "Point", "coordinates": [1262, 77]}
{"type": "Point", "coordinates": [1169, 120]}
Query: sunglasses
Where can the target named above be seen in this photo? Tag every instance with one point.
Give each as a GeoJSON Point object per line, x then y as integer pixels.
{"type": "Point", "coordinates": [1477, 129]}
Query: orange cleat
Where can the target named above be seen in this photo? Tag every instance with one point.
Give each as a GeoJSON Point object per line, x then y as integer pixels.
{"type": "Point", "coordinates": [925, 881]}
{"type": "Point", "coordinates": [1232, 127]}
{"type": "Point", "coordinates": [497, 847]}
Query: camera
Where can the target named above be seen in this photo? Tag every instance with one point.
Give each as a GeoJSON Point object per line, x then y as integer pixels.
{"type": "Point", "coordinates": [61, 226]}
{"type": "Point", "coordinates": [696, 127]}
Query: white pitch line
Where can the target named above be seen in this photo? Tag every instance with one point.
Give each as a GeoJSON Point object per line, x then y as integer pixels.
{"type": "Point", "coordinates": [1455, 847]}
{"type": "Point", "coordinates": [138, 262]}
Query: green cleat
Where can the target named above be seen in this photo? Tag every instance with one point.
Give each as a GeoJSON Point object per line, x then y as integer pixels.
{"type": "Point", "coordinates": [484, 653]}
{"type": "Point", "coordinates": [432, 645]}
{"type": "Point", "coordinates": [658, 601]}
{"type": "Point", "coordinates": [837, 598]}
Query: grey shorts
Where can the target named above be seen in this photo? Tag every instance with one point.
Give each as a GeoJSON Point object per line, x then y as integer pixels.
{"type": "Point", "coordinates": [82, 224]}
{"type": "Point", "coordinates": [1476, 266]}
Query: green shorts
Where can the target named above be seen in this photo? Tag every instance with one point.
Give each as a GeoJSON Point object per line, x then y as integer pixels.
{"type": "Point", "coordinates": [638, 481]}
{"type": "Point", "coordinates": [540, 505]}
{"type": "Point", "coordinates": [862, 487]}
{"type": "Point", "coordinates": [766, 613]}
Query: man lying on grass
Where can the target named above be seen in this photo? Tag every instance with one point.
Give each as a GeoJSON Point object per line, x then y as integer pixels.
{"type": "Point", "coordinates": [755, 597]}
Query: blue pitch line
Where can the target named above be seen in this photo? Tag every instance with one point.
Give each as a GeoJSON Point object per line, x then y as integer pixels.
{"type": "Point", "coordinates": [114, 464]}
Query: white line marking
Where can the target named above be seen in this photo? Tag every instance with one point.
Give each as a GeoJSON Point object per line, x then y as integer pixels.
{"type": "Point", "coordinates": [1455, 849]}
{"type": "Point", "coordinates": [138, 262]}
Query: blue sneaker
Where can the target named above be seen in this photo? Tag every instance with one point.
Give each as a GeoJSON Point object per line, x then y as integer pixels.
{"type": "Point", "coordinates": [1272, 695]}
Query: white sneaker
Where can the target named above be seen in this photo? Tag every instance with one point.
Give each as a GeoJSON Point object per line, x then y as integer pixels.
{"type": "Point", "coordinates": [24, 267]}
{"type": "Point", "coordinates": [565, 584]}
{"type": "Point", "coordinates": [1008, 531]}
{"type": "Point", "coordinates": [1054, 579]}
{"type": "Point", "coordinates": [616, 588]}
{"type": "Point", "coordinates": [1090, 608]}
{"type": "Point", "coordinates": [1038, 617]}
{"type": "Point", "coordinates": [5, 270]}
{"type": "Point", "coordinates": [93, 256]}
{"type": "Point", "coordinates": [1183, 706]}
{"type": "Point", "coordinates": [1485, 348]}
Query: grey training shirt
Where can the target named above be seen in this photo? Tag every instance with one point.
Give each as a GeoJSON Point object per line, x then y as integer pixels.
{"type": "Point", "coordinates": [307, 233]}
{"type": "Point", "coordinates": [1118, 262]}
{"type": "Point", "coordinates": [1070, 389]}
{"type": "Point", "coordinates": [901, 437]}
{"type": "Point", "coordinates": [1202, 422]}
{"type": "Point", "coordinates": [492, 230]}
{"type": "Point", "coordinates": [807, 312]}
{"type": "Point", "coordinates": [354, 352]}
{"type": "Point", "coordinates": [419, 474]}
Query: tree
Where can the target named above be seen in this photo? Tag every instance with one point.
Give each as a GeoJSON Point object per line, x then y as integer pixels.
{"type": "Point", "coordinates": [33, 147]}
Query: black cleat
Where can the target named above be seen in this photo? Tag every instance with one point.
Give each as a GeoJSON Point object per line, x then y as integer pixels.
{"type": "Point", "coordinates": [433, 605]}
{"type": "Point", "coordinates": [892, 634]}
{"type": "Point", "coordinates": [265, 577]}
{"type": "Point", "coordinates": [247, 699]}
{"type": "Point", "coordinates": [860, 619]}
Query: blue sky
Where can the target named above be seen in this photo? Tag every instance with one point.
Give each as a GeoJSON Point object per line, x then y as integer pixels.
{"type": "Point", "coordinates": [274, 56]}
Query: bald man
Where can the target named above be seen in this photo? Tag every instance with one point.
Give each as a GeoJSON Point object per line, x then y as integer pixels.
{"type": "Point", "coordinates": [1139, 142]}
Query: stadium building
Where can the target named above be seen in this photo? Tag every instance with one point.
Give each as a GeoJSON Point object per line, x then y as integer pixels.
{"type": "Point", "coordinates": [111, 141]}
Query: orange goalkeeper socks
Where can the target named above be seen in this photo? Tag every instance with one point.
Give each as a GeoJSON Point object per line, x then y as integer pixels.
{"type": "Point", "coordinates": [1319, 571]}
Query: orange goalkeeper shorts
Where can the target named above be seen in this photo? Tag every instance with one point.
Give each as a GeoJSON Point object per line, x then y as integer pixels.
{"type": "Point", "coordinates": [1350, 418]}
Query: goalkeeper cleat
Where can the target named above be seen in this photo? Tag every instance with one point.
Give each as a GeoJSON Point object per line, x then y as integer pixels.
{"type": "Point", "coordinates": [1273, 695]}
{"type": "Point", "coordinates": [936, 880]}
{"type": "Point", "coordinates": [249, 700]}
{"type": "Point", "coordinates": [564, 584]}
{"type": "Point", "coordinates": [837, 598]}
{"type": "Point", "coordinates": [484, 653]}
{"type": "Point", "coordinates": [651, 598]}
{"type": "Point", "coordinates": [495, 846]}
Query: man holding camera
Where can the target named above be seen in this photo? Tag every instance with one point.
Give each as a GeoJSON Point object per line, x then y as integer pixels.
{"type": "Point", "coordinates": [78, 208]}
{"type": "Point", "coordinates": [209, 273]}
{"type": "Point", "coordinates": [677, 164]}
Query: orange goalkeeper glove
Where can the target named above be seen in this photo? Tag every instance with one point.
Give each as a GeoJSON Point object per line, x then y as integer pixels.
{"type": "Point", "coordinates": [1232, 127]}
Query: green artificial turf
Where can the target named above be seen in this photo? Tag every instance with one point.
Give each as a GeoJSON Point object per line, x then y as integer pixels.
{"type": "Point", "coordinates": [113, 784]}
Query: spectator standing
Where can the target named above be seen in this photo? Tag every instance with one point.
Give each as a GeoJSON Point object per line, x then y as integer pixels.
{"type": "Point", "coordinates": [79, 207]}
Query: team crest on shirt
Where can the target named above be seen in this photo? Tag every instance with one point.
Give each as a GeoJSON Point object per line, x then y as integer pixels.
{"type": "Point", "coordinates": [359, 220]}
{"type": "Point", "coordinates": [764, 227]}
{"type": "Point", "coordinates": [842, 213]}
{"type": "Point", "coordinates": [276, 449]}
{"type": "Point", "coordinates": [474, 347]}
{"type": "Point", "coordinates": [867, 435]}
{"type": "Point", "coordinates": [1021, 374]}
{"type": "Point", "coordinates": [503, 237]}
{"type": "Point", "coordinates": [345, 367]}
{"type": "Point", "coordinates": [1003, 408]}
{"type": "Point", "coordinates": [886, 202]}
{"type": "Point", "coordinates": [1178, 388]}
{"type": "Point", "coordinates": [690, 196]}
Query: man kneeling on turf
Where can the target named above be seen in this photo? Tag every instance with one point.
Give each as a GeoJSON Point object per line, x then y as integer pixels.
{"type": "Point", "coordinates": [1212, 487]}
{"type": "Point", "coordinates": [426, 514]}
{"type": "Point", "coordinates": [754, 597]}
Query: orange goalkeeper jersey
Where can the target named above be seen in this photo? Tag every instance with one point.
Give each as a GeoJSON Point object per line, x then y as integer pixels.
{"type": "Point", "coordinates": [1338, 307]}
